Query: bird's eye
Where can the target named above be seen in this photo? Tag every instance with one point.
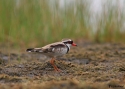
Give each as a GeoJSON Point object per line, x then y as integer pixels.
{"type": "Point", "coordinates": [70, 42]}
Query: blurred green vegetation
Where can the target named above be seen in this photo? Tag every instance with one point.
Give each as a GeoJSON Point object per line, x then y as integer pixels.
{"type": "Point", "coordinates": [38, 22]}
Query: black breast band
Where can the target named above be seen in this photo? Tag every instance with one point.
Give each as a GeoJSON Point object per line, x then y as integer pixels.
{"type": "Point", "coordinates": [67, 48]}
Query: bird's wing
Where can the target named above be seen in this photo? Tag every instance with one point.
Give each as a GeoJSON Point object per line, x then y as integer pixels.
{"type": "Point", "coordinates": [52, 47]}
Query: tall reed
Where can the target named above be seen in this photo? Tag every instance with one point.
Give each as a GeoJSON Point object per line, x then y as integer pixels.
{"type": "Point", "coordinates": [38, 22]}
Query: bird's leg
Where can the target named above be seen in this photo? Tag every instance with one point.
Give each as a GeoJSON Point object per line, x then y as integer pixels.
{"type": "Point", "coordinates": [54, 66]}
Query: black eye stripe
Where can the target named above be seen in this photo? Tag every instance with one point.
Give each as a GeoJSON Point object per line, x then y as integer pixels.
{"type": "Point", "coordinates": [68, 42]}
{"type": "Point", "coordinates": [71, 42]}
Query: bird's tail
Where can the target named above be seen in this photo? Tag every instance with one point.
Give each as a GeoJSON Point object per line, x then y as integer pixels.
{"type": "Point", "coordinates": [34, 50]}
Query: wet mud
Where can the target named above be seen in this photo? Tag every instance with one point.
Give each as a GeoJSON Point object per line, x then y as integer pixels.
{"type": "Point", "coordinates": [89, 66]}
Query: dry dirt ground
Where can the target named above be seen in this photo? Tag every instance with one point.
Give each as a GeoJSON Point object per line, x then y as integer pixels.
{"type": "Point", "coordinates": [88, 66]}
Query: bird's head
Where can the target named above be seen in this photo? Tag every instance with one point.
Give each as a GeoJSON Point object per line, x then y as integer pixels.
{"type": "Point", "coordinates": [68, 42]}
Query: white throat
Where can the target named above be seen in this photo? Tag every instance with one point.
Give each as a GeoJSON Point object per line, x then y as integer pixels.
{"type": "Point", "coordinates": [68, 45]}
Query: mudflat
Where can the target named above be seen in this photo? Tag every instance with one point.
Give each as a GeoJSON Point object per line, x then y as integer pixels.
{"type": "Point", "coordinates": [88, 66]}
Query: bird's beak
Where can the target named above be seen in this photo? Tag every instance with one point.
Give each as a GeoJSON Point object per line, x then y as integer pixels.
{"type": "Point", "coordinates": [73, 44]}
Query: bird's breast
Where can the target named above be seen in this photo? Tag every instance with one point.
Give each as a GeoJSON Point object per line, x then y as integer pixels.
{"type": "Point", "coordinates": [60, 51]}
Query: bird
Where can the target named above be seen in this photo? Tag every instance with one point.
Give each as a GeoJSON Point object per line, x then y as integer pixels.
{"type": "Point", "coordinates": [54, 50]}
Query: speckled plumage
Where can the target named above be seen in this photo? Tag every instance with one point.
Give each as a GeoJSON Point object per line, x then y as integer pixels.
{"type": "Point", "coordinates": [55, 49]}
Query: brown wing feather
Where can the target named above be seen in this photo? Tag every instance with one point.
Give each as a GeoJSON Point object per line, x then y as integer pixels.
{"type": "Point", "coordinates": [46, 50]}
{"type": "Point", "coordinates": [58, 45]}
{"type": "Point", "coordinates": [49, 48]}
